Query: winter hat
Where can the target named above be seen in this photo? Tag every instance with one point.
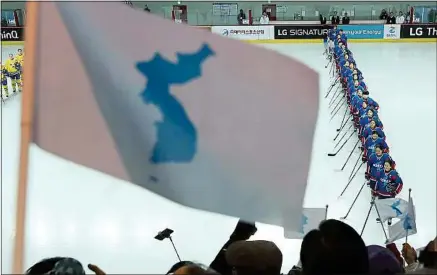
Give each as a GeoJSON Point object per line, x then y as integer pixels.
{"type": "Point", "coordinates": [258, 255]}
{"type": "Point", "coordinates": [67, 266]}
{"type": "Point", "coordinates": [382, 261]}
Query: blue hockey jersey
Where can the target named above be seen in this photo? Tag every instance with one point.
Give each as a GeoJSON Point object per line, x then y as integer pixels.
{"type": "Point", "coordinates": [370, 143]}
{"type": "Point", "coordinates": [375, 165]}
{"type": "Point", "coordinates": [365, 121]}
{"type": "Point", "coordinates": [372, 103]}
{"type": "Point", "coordinates": [388, 184]}
{"type": "Point", "coordinates": [368, 132]}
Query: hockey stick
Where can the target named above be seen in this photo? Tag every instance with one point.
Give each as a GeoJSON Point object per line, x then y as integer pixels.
{"type": "Point", "coordinates": [356, 163]}
{"type": "Point", "coordinates": [330, 89]}
{"type": "Point", "coordinates": [338, 109]}
{"type": "Point", "coordinates": [342, 121]}
{"type": "Point", "coordinates": [335, 138]}
{"type": "Point", "coordinates": [353, 203]}
{"type": "Point", "coordinates": [342, 137]}
{"type": "Point", "coordinates": [339, 149]}
{"type": "Point", "coordinates": [347, 160]}
{"type": "Point", "coordinates": [338, 103]}
{"type": "Point", "coordinates": [334, 97]}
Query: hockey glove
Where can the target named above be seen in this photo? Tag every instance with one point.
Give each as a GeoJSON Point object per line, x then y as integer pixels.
{"type": "Point", "coordinates": [367, 176]}
{"type": "Point", "coordinates": [364, 159]}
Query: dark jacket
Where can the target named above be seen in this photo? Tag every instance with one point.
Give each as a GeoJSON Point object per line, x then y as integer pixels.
{"type": "Point", "coordinates": [391, 20]}
{"type": "Point", "coordinates": [345, 20]}
{"type": "Point", "coordinates": [335, 20]}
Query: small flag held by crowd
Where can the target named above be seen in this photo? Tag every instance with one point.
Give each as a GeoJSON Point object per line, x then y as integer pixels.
{"type": "Point", "coordinates": [391, 208]}
{"type": "Point", "coordinates": [310, 219]}
{"type": "Point", "coordinates": [406, 226]}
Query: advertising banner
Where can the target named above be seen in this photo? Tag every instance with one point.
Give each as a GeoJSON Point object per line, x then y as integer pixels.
{"type": "Point", "coordinates": [301, 32]}
{"type": "Point", "coordinates": [392, 31]}
{"type": "Point", "coordinates": [245, 32]}
{"type": "Point", "coordinates": [12, 34]}
{"type": "Point", "coordinates": [419, 31]}
{"type": "Point", "coordinates": [363, 31]}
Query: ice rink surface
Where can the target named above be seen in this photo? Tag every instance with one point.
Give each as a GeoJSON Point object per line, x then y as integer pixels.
{"type": "Point", "coordinates": [74, 211]}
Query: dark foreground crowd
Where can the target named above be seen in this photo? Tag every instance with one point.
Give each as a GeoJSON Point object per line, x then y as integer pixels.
{"type": "Point", "coordinates": [333, 248]}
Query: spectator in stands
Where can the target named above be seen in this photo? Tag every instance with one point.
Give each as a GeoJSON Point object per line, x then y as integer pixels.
{"type": "Point", "coordinates": [432, 16]}
{"type": "Point", "coordinates": [383, 15]}
{"type": "Point", "coordinates": [254, 258]}
{"type": "Point", "coordinates": [345, 19]}
{"type": "Point", "coordinates": [383, 261]}
{"type": "Point", "coordinates": [146, 8]}
{"type": "Point", "coordinates": [391, 19]}
{"type": "Point", "coordinates": [400, 19]}
{"type": "Point", "coordinates": [334, 248]}
{"type": "Point", "coordinates": [264, 20]}
{"type": "Point", "coordinates": [322, 19]}
{"type": "Point", "coordinates": [242, 232]}
{"type": "Point", "coordinates": [241, 17]}
{"type": "Point", "coordinates": [335, 19]}
{"type": "Point", "coordinates": [428, 257]}
{"type": "Point", "coordinates": [4, 22]}
{"type": "Point", "coordinates": [410, 257]}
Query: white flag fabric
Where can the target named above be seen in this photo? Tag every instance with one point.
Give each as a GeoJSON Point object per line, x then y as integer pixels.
{"type": "Point", "coordinates": [204, 121]}
{"type": "Point", "coordinates": [406, 226]}
{"type": "Point", "coordinates": [391, 208]}
{"type": "Point", "coordinates": [310, 219]}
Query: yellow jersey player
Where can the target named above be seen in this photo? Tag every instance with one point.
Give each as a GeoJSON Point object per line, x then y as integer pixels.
{"type": "Point", "coordinates": [14, 69]}
{"type": "Point", "coordinates": [4, 74]}
{"type": "Point", "coordinates": [20, 58]}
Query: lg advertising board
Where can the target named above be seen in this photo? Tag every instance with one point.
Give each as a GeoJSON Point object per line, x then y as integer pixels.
{"type": "Point", "coordinates": [301, 32]}
{"type": "Point", "coordinates": [419, 31]}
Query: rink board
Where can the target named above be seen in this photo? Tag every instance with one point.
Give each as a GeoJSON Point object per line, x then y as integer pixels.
{"type": "Point", "coordinates": [320, 41]}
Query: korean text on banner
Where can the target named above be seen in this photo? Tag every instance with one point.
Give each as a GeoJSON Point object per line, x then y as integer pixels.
{"type": "Point", "coordinates": [392, 31]}
{"type": "Point", "coordinates": [245, 32]}
{"type": "Point", "coordinates": [190, 121]}
{"type": "Point", "coordinates": [363, 31]}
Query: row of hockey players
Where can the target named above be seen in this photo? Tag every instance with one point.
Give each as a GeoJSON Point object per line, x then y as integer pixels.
{"type": "Point", "coordinates": [384, 180]}
{"type": "Point", "coordinates": [12, 69]}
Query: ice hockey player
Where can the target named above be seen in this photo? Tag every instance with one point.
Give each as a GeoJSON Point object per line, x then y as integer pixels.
{"type": "Point", "coordinates": [13, 67]}
{"type": "Point", "coordinates": [370, 144]}
{"type": "Point", "coordinates": [4, 80]}
{"type": "Point", "coordinates": [388, 184]}
{"type": "Point", "coordinates": [368, 131]}
{"type": "Point", "coordinates": [20, 59]}
{"type": "Point", "coordinates": [375, 165]}
{"type": "Point", "coordinates": [372, 103]}
{"type": "Point", "coordinates": [365, 121]}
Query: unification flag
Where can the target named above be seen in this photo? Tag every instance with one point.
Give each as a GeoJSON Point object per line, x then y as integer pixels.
{"type": "Point", "coordinates": [406, 226]}
{"type": "Point", "coordinates": [204, 121]}
{"type": "Point", "coordinates": [310, 219]}
{"type": "Point", "coordinates": [391, 208]}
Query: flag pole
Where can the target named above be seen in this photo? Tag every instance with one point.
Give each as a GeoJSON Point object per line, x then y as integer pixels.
{"type": "Point", "coordinates": [26, 133]}
{"type": "Point", "coordinates": [409, 201]}
{"type": "Point", "coordinates": [326, 212]}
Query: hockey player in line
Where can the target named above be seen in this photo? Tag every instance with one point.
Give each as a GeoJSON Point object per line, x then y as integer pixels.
{"type": "Point", "coordinates": [13, 67]}
{"type": "Point", "coordinates": [372, 103]}
{"type": "Point", "coordinates": [4, 80]}
{"type": "Point", "coordinates": [371, 143]}
{"type": "Point", "coordinates": [365, 121]}
{"type": "Point", "coordinates": [375, 165]}
{"type": "Point", "coordinates": [368, 131]}
{"type": "Point", "coordinates": [20, 59]}
{"type": "Point", "coordinates": [388, 184]}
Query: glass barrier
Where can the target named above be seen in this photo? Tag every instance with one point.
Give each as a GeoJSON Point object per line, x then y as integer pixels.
{"type": "Point", "coordinates": [223, 13]}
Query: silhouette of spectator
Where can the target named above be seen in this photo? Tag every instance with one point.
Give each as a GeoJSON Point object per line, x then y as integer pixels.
{"type": "Point", "coordinates": [241, 17]}
{"type": "Point", "coordinates": [345, 20]}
